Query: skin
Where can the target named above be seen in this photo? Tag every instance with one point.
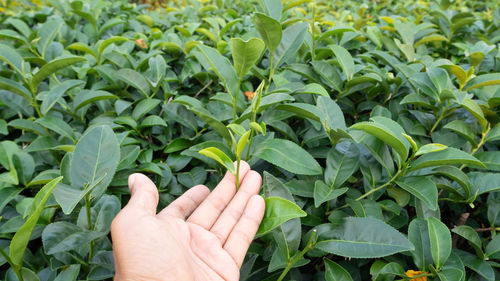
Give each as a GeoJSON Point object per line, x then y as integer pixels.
{"type": "Point", "coordinates": [201, 236]}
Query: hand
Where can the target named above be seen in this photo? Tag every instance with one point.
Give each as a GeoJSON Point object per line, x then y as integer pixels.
{"type": "Point", "coordinates": [200, 236]}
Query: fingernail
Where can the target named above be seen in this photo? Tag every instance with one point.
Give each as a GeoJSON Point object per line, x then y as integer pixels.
{"type": "Point", "coordinates": [131, 180]}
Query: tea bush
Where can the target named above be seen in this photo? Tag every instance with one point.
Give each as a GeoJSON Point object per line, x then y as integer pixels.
{"type": "Point", "coordinates": [375, 126]}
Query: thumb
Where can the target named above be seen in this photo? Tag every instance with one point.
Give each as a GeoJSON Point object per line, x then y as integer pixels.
{"type": "Point", "coordinates": [144, 194]}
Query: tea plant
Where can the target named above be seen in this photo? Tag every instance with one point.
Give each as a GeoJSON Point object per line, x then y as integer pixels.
{"type": "Point", "coordinates": [374, 124]}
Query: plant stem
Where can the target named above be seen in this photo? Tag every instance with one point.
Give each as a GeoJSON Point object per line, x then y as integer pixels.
{"type": "Point", "coordinates": [14, 267]}
{"type": "Point", "coordinates": [89, 224]}
{"type": "Point", "coordinates": [249, 145]}
{"type": "Point", "coordinates": [237, 176]}
{"type": "Point", "coordinates": [235, 99]}
{"type": "Point", "coordinates": [480, 144]}
{"type": "Point", "coordinates": [440, 118]}
{"type": "Point", "coordinates": [296, 258]}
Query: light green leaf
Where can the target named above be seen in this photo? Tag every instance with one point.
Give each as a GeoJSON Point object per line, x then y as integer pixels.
{"type": "Point", "coordinates": [431, 38]}
{"type": "Point", "coordinates": [104, 44]}
{"type": "Point", "coordinates": [269, 29]}
{"type": "Point", "coordinates": [461, 128]}
{"type": "Point", "coordinates": [143, 107]}
{"type": "Point", "coordinates": [345, 60]}
{"type": "Point", "coordinates": [20, 240]}
{"type": "Point", "coordinates": [220, 157]}
{"type": "Point", "coordinates": [12, 57]}
{"type": "Point", "coordinates": [289, 156]}
{"type": "Point", "coordinates": [51, 68]}
{"type": "Point", "coordinates": [483, 80]}
{"type": "Point", "coordinates": [70, 273]}
{"type": "Point", "coordinates": [246, 54]}
{"type": "Point", "coordinates": [242, 143]}
{"type": "Point", "coordinates": [387, 131]}
{"type": "Point", "coordinates": [440, 241]}
{"type": "Point", "coordinates": [476, 111]}
{"type": "Point", "coordinates": [278, 211]}
{"type": "Point", "coordinates": [315, 88]}
{"type": "Point", "coordinates": [81, 47]}
{"type": "Point", "coordinates": [57, 125]}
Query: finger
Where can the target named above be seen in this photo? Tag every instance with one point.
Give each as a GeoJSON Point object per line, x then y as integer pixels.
{"type": "Point", "coordinates": [183, 206]}
{"type": "Point", "coordinates": [244, 231]}
{"type": "Point", "coordinates": [144, 194]}
{"type": "Point", "coordinates": [207, 247]}
{"type": "Point", "coordinates": [208, 212]}
{"type": "Point", "coordinates": [231, 215]}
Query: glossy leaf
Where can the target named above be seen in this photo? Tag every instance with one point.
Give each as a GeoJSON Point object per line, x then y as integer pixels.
{"type": "Point", "coordinates": [335, 272]}
{"type": "Point", "coordinates": [278, 211]}
{"type": "Point", "coordinates": [423, 188]}
{"type": "Point", "coordinates": [289, 156]}
{"type": "Point", "coordinates": [52, 67]}
{"type": "Point", "coordinates": [440, 241]}
{"type": "Point", "coordinates": [220, 157]}
{"type": "Point", "coordinates": [350, 239]}
{"type": "Point", "coordinates": [20, 240]}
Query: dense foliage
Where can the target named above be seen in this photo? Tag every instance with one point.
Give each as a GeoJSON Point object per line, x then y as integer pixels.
{"type": "Point", "coordinates": [373, 123]}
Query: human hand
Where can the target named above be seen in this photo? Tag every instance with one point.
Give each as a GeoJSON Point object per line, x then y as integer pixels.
{"type": "Point", "coordinates": [201, 236]}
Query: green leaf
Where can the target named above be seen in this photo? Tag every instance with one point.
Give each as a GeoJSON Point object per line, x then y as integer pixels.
{"type": "Point", "coordinates": [479, 266]}
{"type": "Point", "coordinates": [476, 111]}
{"type": "Point", "coordinates": [104, 44]}
{"type": "Point", "coordinates": [81, 47]}
{"type": "Point", "coordinates": [345, 60]}
{"type": "Point", "coordinates": [278, 211]}
{"type": "Point", "coordinates": [12, 57]}
{"type": "Point", "coordinates": [316, 89]}
{"type": "Point", "coordinates": [64, 236]}
{"type": "Point", "coordinates": [335, 272]}
{"type": "Point", "coordinates": [375, 35]}
{"type": "Point", "coordinates": [418, 234]}
{"type": "Point", "coordinates": [484, 182]}
{"type": "Point", "coordinates": [97, 154]}
{"type": "Point", "coordinates": [221, 66]}
{"type": "Point", "coordinates": [16, 88]}
{"type": "Point", "coordinates": [56, 93]}
{"type": "Point", "coordinates": [246, 54]}
{"type": "Point", "coordinates": [440, 241]}
{"type": "Point", "coordinates": [387, 131]}
{"type": "Point", "coordinates": [471, 235]}
{"type": "Point", "coordinates": [47, 33]}
{"type": "Point", "coordinates": [324, 193]}
{"type": "Point", "coordinates": [242, 143]}
{"type": "Point", "coordinates": [431, 38]}
{"type": "Point", "coordinates": [52, 67]}
{"type": "Point", "coordinates": [289, 156]}
{"type": "Point", "coordinates": [70, 273]}
{"type": "Point", "coordinates": [291, 40]}
{"type": "Point", "coordinates": [447, 156]}
{"type": "Point", "coordinates": [134, 79]}
{"type": "Point", "coordinates": [461, 128]}
{"type": "Point", "coordinates": [341, 163]}
{"type": "Point", "coordinates": [269, 29]}
{"type": "Point", "coordinates": [493, 248]}
{"type": "Point", "coordinates": [422, 187]}
{"type": "Point", "coordinates": [483, 80]}
{"type": "Point", "coordinates": [220, 157]}
{"type": "Point", "coordinates": [273, 8]}
{"type": "Point", "coordinates": [57, 125]}
{"type": "Point", "coordinates": [143, 107]}
{"type": "Point", "coordinates": [89, 96]}
{"type": "Point", "coordinates": [20, 240]}
{"type": "Point", "coordinates": [351, 239]}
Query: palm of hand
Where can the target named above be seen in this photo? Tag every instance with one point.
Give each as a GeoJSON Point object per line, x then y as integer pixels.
{"type": "Point", "coordinates": [200, 236]}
